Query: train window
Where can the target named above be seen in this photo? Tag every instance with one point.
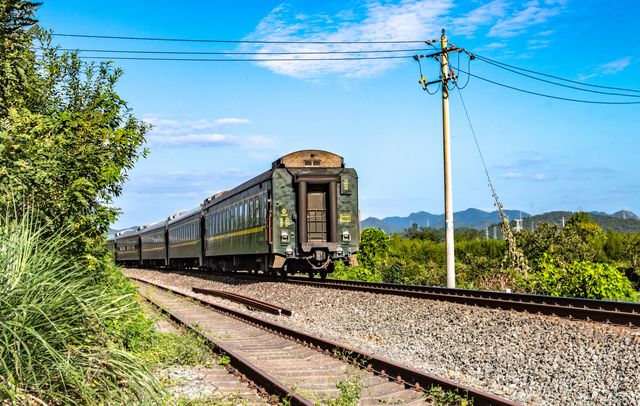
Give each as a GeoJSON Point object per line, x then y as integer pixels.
{"type": "Point", "coordinates": [257, 213]}
{"type": "Point", "coordinates": [245, 214]}
{"type": "Point", "coordinates": [251, 215]}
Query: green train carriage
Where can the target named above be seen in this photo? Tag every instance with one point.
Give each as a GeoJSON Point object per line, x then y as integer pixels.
{"type": "Point", "coordinates": [299, 216]}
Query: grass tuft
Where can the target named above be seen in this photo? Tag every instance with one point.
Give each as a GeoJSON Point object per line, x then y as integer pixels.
{"type": "Point", "coordinates": [67, 324]}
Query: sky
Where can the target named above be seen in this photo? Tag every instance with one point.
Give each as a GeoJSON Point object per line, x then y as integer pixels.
{"type": "Point", "coordinates": [217, 124]}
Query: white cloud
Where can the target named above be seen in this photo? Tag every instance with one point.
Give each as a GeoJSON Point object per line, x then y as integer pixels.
{"type": "Point", "coordinates": [609, 68]}
{"type": "Point", "coordinates": [485, 14]}
{"type": "Point", "coordinates": [538, 43]}
{"type": "Point", "coordinates": [254, 141]}
{"type": "Point", "coordinates": [163, 125]}
{"type": "Point", "coordinates": [392, 20]}
{"type": "Point", "coordinates": [408, 20]}
{"type": "Point", "coordinates": [538, 176]}
{"type": "Point", "coordinates": [170, 132]}
{"type": "Point", "coordinates": [534, 12]}
{"type": "Point", "coordinates": [511, 175]}
{"type": "Point", "coordinates": [495, 45]}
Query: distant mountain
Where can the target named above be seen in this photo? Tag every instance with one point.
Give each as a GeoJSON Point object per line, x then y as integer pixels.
{"type": "Point", "coordinates": [623, 220]}
{"type": "Point", "coordinates": [629, 223]}
{"type": "Point", "coordinates": [625, 214]}
{"type": "Point", "coordinates": [471, 218]}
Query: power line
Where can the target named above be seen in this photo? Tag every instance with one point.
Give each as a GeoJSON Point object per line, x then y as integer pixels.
{"type": "Point", "coordinates": [227, 41]}
{"type": "Point", "coordinates": [546, 95]}
{"type": "Point", "coordinates": [359, 58]}
{"type": "Point", "coordinates": [556, 77]}
{"type": "Point", "coordinates": [118, 51]}
{"type": "Point", "coordinates": [554, 83]}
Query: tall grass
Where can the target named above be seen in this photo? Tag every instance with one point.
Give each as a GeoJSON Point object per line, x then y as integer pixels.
{"type": "Point", "coordinates": [64, 325]}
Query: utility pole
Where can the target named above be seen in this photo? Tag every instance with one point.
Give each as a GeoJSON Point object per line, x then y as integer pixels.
{"type": "Point", "coordinates": [446, 141]}
{"type": "Point", "coordinates": [446, 75]}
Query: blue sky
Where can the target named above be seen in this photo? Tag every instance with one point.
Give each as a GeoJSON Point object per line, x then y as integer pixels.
{"type": "Point", "coordinates": [218, 124]}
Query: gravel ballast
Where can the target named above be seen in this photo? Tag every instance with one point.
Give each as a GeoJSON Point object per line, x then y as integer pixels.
{"type": "Point", "coordinates": [527, 358]}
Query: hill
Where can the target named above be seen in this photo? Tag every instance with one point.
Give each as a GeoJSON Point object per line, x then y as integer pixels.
{"type": "Point", "coordinates": [623, 220]}
{"type": "Point", "coordinates": [629, 223]}
{"type": "Point", "coordinates": [471, 218]}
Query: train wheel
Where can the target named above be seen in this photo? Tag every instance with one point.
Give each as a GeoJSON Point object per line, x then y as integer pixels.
{"type": "Point", "coordinates": [311, 274]}
{"type": "Point", "coordinates": [283, 272]}
{"type": "Point", "coordinates": [323, 274]}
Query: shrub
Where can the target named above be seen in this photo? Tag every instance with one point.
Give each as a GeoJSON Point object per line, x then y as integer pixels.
{"type": "Point", "coordinates": [374, 248]}
{"type": "Point", "coordinates": [354, 273]}
{"type": "Point", "coordinates": [582, 279]}
{"type": "Point", "coordinates": [64, 328]}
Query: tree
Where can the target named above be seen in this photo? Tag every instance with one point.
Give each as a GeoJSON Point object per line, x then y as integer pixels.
{"type": "Point", "coordinates": [67, 140]}
{"type": "Point", "coordinates": [424, 233]}
{"type": "Point", "coordinates": [18, 62]}
{"type": "Point", "coordinates": [374, 248]}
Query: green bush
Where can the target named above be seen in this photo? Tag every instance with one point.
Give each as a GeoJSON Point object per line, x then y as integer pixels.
{"type": "Point", "coordinates": [355, 273]}
{"type": "Point", "coordinates": [374, 248]}
{"type": "Point", "coordinates": [582, 279]}
{"type": "Point", "coordinates": [66, 324]}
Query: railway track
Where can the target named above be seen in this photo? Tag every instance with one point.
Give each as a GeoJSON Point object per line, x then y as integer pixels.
{"type": "Point", "coordinates": [297, 367]}
{"type": "Point", "coordinates": [610, 312]}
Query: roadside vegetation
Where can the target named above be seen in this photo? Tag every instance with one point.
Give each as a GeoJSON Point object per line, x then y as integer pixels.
{"type": "Point", "coordinates": [71, 329]}
{"type": "Point", "coordinates": [579, 260]}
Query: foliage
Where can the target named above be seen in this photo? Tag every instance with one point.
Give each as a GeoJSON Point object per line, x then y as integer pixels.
{"type": "Point", "coordinates": [350, 392]}
{"type": "Point", "coordinates": [67, 139]}
{"type": "Point", "coordinates": [606, 222]}
{"type": "Point", "coordinates": [581, 279]}
{"type": "Point", "coordinates": [182, 348]}
{"type": "Point", "coordinates": [64, 332]}
{"type": "Point", "coordinates": [374, 248]}
{"type": "Point", "coordinates": [438, 396]}
{"type": "Point", "coordinates": [357, 273]}
{"type": "Point", "coordinates": [224, 360]}
{"type": "Point", "coordinates": [424, 233]}
{"type": "Point", "coordinates": [586, 260]}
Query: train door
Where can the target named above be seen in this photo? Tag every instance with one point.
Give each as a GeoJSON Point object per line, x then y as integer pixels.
{"type": "Point", "coordinates": [317, 212]}
{"type": "Point", "coordinates": [316, 216]}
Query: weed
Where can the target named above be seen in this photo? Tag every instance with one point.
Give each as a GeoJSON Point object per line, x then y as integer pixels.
{"type": "Point", "coordinates": [224, 360]}
{"type": "Point", "coordinates": [439, 396]}
{"type": "Point", "coordinates": [350, 392]}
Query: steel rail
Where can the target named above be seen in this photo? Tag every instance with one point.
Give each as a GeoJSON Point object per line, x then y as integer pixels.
{"type": "Point", "coordinates": [410, 377]}
{"type": "Point", "coordinates": [259, 377]}
{"type": "Point", "coordinates": [610, 312]}
{"type": "Point", "coordinates": [249, 301]}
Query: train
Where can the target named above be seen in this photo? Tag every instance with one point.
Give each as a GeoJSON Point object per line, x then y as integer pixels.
{"type": "Point", "coordinates": [300, 216]}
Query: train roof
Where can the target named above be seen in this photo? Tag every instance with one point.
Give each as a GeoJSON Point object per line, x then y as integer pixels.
{"type": "Point", "coordinates": [126, 233]}
{"type": "Point", "coordinates": [151, 226]}
{"type": "Point", "coordinates": [214, 196]}
{"type": "Point", "coordinates": [181, 215]}
{"type": "Point", "coordinates": [309, 158]}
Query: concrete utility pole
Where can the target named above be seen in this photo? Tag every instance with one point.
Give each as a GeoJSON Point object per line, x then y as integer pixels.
{"type": "Point", "coordinates": [446, 75]}
{"type": "Point", "coordinates": [446, 140]}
